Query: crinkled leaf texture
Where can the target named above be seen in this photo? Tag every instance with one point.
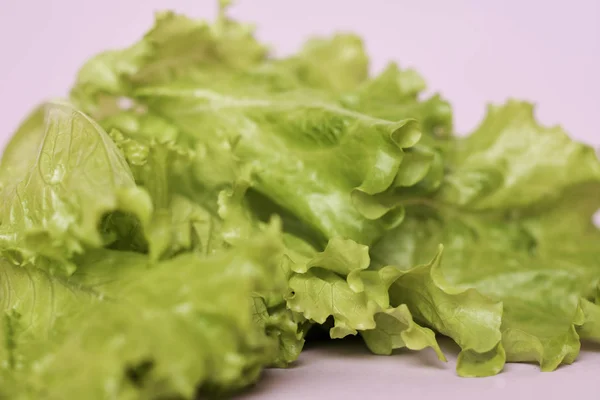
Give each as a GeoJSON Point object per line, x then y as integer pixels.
{"type": "Point", "coordinates": [152, 330]}
{"type": "Point", "coordinates": [141, 254]}
{"type": "Point", "coordinates": [315, 131]}
{"type": "Point", "coordinates": [321, 162]}
{"type": "Point", "coordinates": [515, 216]}
{"type": "Point", "coordinates": [337, 284]}
{"type": "Point", "coordinates": [60, 175]}
{"type": "Point", "coordinates": [316, 148]}
{"type": "Point", "coordinates": [209, 319]}
{"type": "Point", "coordinates": [466, 316]}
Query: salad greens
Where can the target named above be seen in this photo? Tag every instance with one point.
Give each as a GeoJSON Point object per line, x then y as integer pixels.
{"type": "Point", "coordinates": [197, 206]}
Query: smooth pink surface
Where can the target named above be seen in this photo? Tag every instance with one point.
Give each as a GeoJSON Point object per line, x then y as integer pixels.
{"type": "Point", "coordinates": [343, 371]}
{"type": "Point", "coordinates": [473, 51]}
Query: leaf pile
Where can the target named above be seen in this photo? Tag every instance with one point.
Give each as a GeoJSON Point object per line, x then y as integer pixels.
{"type": "Point", "coordinates": [197, 206]}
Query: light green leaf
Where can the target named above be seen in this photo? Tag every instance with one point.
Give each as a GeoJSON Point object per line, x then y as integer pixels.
{"type": "Point", "coordinates": [52, 206]}
{"type": "Point", "coordinates": [519, 231]}
{"type": "Point", "coordinates": [16, 158]}
{"type": "Point", "coordinates": [301, 151]}
{"type": "Point", "coordinates": [316, 154]}
{"type": "Point", "coordinates": [238, 199]}
{"type": "Point", "coordinates": [285, 326]}
{"type": "Point", "coordinates": [333, 64]}
{"type": "Point", "coordinates": [465, 315]}
{"type": "Point", "coordinates": [184, 226]}
{"type": "Point", "coordinates": [511, 161]}
{"type": "Point", "coordinates": [395, 329]}
{"type": "Point", "coordinates": [186, 215]}
{"type": "Point", "coordinates": [340, 256]}
{"type": "Point", "coordinates": [590, 328]}
{"type": "Point", "coordinates": [175, 46]}
{"type": "Point", "coordinates": [395, 94]}
{"type": "Point", "coordinates": [152, 330]}
{"type": "Point", "coordinates": [318, 292]}
{"type": "Point", "coordinates": [335, 284]}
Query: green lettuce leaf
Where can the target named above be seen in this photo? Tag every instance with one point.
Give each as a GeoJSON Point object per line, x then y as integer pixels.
{"type": "Point", "coordinates": [287, 328]}
{"type": "Point", "coordinates": [515, 215]}
{"type": "Point", "coordinates": [153, 330]}
{"type": "Point", "coordinates": [61, 174]}
{"type": "Point", "coordinates": [260, 131]}
{"type": "Point", "coordinates": [333, 64]}
{"type": "Point", "coordinates": [395, 94]}
{"type": "Point", "coordinates": [396, 329]}
{"type": "Point", "coordinates": [512, 162]}
{"type": "Point", "coordinates": [311, 133]}
{"type": "Point", "coordinates": [336, 284]}
{"type": "Point", "coordinates": [185, 211]}
{"type": "Point", "coordinates": [175, 46]}
{"type": "Point", "coordinates": [468, 317]}
{"type": "Point", "coordinates": [203, 204]}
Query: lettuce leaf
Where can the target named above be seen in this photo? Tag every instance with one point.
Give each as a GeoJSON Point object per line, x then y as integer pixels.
{"type": "Point", "coordinates": [515, 216]}
{"type": "Point", "coordinates": [280, 117]}
{"type": "Point", "coordinates": [162, 335]}
{"type": "Point", "coordinates": [175, 46]}
{"type": "Point", "coordinates": [199, 205]}
{"type": "Point", "coordinates": [61, 174]}
{"type": "Point", "coordinates": [337, 284]}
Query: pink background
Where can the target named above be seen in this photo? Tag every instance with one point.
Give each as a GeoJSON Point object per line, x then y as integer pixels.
{"type": "Point", "coordinates": [473, 51]}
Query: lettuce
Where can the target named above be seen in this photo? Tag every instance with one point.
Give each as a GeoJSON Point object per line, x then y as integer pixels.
{"type": "Point", "coordinates": [60, 174]}
{"type": "Point", "coordinates": [515, 215]}
{"type": "Point", "coordinates": [197, 206]}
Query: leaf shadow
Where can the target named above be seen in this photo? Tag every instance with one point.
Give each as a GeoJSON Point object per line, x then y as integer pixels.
{"type": "Point", "coordinates": [588, 346]}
